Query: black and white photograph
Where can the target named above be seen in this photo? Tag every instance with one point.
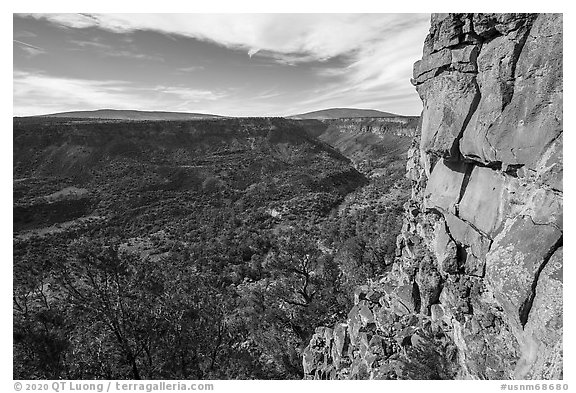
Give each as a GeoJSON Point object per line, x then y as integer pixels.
{"type": "Point", "coordinates": [287, 196]}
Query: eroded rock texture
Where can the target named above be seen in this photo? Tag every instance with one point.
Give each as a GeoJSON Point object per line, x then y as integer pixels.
{"type": "Point", "coordinates": [476, 289]}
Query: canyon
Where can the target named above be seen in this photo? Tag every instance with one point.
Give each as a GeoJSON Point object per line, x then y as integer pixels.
{"type": "Point", "coordinates": [336, 244]}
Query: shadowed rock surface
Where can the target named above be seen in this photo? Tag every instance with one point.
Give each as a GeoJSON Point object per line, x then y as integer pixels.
{"type": "Point", "coordinates": [476, 289]}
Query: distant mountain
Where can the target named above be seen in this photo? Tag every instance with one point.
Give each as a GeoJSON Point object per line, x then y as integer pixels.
{"type": "Point", "coordinates": [113, 114]}
{"type": "Point", "coordinates": [116, 114]}
{"type": "Point", "coordinates": [340, 113]}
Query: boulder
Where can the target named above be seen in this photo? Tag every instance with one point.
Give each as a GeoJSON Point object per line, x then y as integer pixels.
{"type": "Point", "coordinates": [445, 250]}
{"type": "Point", "coordinates": [384, 319]}
{"type": "Point", "coordinates": [436, 313]}
{"type": "Point", "coordinates": [340, 343]}
{"type": "Point", "coordinates": [474, 266]}
{"type": "Point", "coordinates": [446, 98]}
{"type": "Point", "coordinates": [465, 234]}
{"type": "Point", "coordinates": [366, 316]}
{"type": "Point", "coordinates": [455, 296]}
{"type": "Point", "coordinates": [434, 61]}
{"type": "Point", "coordinates": [485, 200]}
{"type": "Point", "coordinates": [514, 262]}
{"type": "Point", "coordinates": [488, 25]}
{"type": "Point", "coordinates": [444, 186]}
{"type": "Point", "coordinates": [447, 30]}
{"type": "Point", "coordinates": [354, 324]}
{"type": "Point", "coordinates": [429, 285]}
{"type": "Point", "coordinates": [404, 298]}
{"type": "Point", "coordinates": [543, 330]}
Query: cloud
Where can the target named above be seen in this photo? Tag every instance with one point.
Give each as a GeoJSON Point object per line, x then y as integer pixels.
{"type": "Point", "coordinates": [111, 51]}
{"type": "Point", "coordinates": [318, 36]}
{"type": "Point", "coordinates": [36, 93]}
{"type": "Point", "coordinates": [378, 49]}
{"type": "Point", "coordinates": [30, 50]}
{"type": "Point", "coordinates": [378, 74]}
{"type": "Point", "coordinates": [94, 43]}
{"type": "Point", "coordinates": [133, 55]}
{"type": "Point", "coordinates": [24, 34]}
{"type": "Point", "coordinates": [190, 95]}
{"type": "Point", "coordinates": [358, 59]}
{"type": "Point", "coordinates": [76, 21]}
{"type": "Point", "coordinates": [253, 51]}
{"type": "Point", "coordinates": [191, 69]}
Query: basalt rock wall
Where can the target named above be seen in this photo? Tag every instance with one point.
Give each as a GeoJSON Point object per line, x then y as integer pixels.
{"type": "Point", "coordinates": [476, 290]}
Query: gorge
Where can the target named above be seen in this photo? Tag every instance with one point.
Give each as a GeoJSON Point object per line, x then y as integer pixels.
{"type": "Point", "coordinates": [334, 244]}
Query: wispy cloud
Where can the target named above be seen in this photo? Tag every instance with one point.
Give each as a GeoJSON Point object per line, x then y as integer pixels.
{"type": "Point", "coordinates": [314, 36]}
{"type": "Point", "coordinates": [92, 44]}
{"type": "Point", "coordinates": [355, 59]}
{"type": "Point", "coordinates": [31, 50]}
{"type": "Point", "coordinates": [190, 95]}
{"type": "Point", "coordinates": [76, 21]}
{"type": "Point", "coordinates": [378, 74]}
{"type": "Point", "coordinates": [191, 69]}
{"type": "Point", "coordinates": [268, 94]}
{"type": "Point", "coordinates": [36, 93]}
{"type": "Point", "coordinates": [133, 55]}
{"type": "Point", "coordinates": [24, 34]}
{"type": "Point", "coordinates": [108, 50]}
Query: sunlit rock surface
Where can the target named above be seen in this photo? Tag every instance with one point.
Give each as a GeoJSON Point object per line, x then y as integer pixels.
{"type": "Point", "coordinates": [476, 289]}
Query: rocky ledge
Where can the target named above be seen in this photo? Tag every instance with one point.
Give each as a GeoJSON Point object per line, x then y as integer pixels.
{"type": "Point", "coordinates": [476, 288]}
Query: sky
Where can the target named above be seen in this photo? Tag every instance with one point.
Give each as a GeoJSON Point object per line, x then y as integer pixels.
{"type": "Point", "coordinates": [226, 64]}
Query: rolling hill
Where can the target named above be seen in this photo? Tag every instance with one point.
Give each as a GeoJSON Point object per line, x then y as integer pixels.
{"type": "Point", "coordinates": [114, 114]}
{"type": "Point", "coordinates": [341, 113]}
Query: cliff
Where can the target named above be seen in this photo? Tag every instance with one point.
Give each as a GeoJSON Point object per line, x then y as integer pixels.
{"type": "Point", "coordinates": [476, 289]}
{"type": "Point", "coordinates": [370, 143]}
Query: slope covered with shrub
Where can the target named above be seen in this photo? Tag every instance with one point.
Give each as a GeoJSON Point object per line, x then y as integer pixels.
{"type": "Point", "coordinates": [182, 250]}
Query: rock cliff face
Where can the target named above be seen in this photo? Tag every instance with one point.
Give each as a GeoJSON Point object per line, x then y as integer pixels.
{"type": "Point", "coordinates": [370, 143]}
{"type": "Point", "coordinates": [476, 290]}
